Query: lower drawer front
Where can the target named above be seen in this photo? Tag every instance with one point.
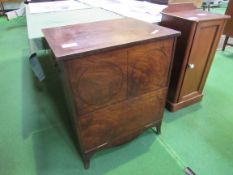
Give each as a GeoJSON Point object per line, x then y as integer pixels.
{"type": "Point", "coordinates": [106, 124]}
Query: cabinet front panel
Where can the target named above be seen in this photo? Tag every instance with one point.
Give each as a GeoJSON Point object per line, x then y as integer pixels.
{"type": "Point", "coordinates": [148, 67]}
{"type": "Point", "coordinates": [115, 121]}
{"type": "Point", "coordinates": [199, 57]}
{"type": "Point", "coordinates": [98, 80]}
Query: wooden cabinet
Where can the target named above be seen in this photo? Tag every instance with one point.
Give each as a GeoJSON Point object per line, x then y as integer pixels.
{"type": "Point", "coordinates": [115, 76]}
{"type": "Point", "coordinates": [200, 34]}
{"type": "Point", "coordinates": [228, 30]}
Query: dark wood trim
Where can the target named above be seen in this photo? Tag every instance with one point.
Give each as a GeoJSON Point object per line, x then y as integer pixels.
{"type": "Point", "coordinates": [201, 32]}
{"type": "Point", "coordinates": [171, 106]}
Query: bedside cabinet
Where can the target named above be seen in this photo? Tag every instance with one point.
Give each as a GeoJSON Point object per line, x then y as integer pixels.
{"type": "Point", "coordinates": [228, 30]}
{"type": "Point", "coordinates": [200, 34]}
{"type": "Point", "coordinates": [115, 76]}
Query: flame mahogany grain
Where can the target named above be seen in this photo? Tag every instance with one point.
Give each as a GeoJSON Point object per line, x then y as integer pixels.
{"type": "Point", "coordinates": [115, 78]}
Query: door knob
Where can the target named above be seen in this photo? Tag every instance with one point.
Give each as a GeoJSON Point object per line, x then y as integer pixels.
{"type": "Point", "coordinates": [191, 66]}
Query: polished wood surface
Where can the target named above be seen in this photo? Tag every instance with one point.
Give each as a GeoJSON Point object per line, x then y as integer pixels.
{"type": "Point", "coordinates": [228, 30]}
{"type": "Point", "coordinates": [114, 94]}
{"type": "Point", "coordinates": [194, 53]}
{"type": "Point", "coordinates": [148, 67]}
{"type": "Point", "coordinates": [98, 80]}
{"type": "Point", "coordinates": [115, 121]}
{"type": "Point", "coordinates": [192, 14]}
{"type": "Point", "coordinates": [179, 7]}
{"type": "Point", "coordinates": [94, 37]}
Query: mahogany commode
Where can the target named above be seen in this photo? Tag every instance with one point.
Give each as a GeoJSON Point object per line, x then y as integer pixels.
{"type": "Point", "coordinates": [115, 74]}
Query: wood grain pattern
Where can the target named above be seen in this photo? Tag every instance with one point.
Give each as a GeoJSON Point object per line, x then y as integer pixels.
{"type": "Point", "coordinates": [194, 14]}
{"type": "Point", "coordinates": [148, 67]}
{"type": "Point", "coordinates": [114, 119]}
{"type": "Point", "coordinates": [116, 80]}
{"type": "Point", "coordinates": [91, 38]}
{"type": "Point", "coordinates": [194, 53]}
{"type": "Point", "coordinates": [179, 7]}
{"type": "Point", "coordinates": [98, 80]}
{"type": "Point", "coordinates": [205, 36]}
{"type": "Point", "coordinates": [228, 30]}
{"type": "Point", "coordinates": [181, 54]}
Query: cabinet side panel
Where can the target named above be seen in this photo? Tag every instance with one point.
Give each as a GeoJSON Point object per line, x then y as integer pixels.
{"type": "Point", "coordinates": [183, 46]}
{"type": "Point", "coordinates": [228, 30]}
{"type": "Point", "coordinates": [73, 114]}
{"type": "Point", "coordinates": [221, 24]}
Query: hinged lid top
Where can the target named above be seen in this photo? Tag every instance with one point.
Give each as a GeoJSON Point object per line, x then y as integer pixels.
{"type": "Point", "coordinates": [81, 39]}
{"type": "Point", "coordinates": [196, 15]}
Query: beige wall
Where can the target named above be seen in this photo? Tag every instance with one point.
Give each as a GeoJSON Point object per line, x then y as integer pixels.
{"type": "Point", "coordinates": [197, 3]}
{"type": "Point", "coordinates": [11, 4]}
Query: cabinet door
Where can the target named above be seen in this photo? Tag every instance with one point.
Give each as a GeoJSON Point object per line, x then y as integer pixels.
{"type": "Point", "coordinates": [201, 56]}
{"type": "Point", "coordinates": [98, 80]}
{"type": "Point", "coordinates": [149, 66]}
